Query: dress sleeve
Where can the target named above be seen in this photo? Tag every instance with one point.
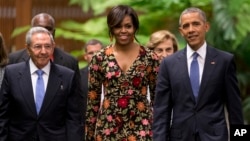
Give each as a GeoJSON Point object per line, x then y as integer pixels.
{"type": "Point", "coordinates": [94, 96]}
{"type": "Point", "coordinates": [154, 67]}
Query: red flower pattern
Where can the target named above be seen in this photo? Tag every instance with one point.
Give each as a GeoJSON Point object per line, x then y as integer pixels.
{"type": "Point", "coordinates": [123, 102]}
{"type": "Point", "coordinates": [136, 81]}
{"type": "Point", "coordinates": [121, 120]}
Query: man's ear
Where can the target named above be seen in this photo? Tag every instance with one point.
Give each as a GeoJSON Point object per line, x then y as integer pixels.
{"type": "Point", "coordinates": [180, 30]}
{"type": "Point", "coordinates": [85, 56]}
{"type": "Point", "coordinates": [207, 26]}
{"type": "Point", "coordinates": [27, 49]}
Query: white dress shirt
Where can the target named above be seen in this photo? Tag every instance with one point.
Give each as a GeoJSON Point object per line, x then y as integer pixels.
{"type": "Point", "coordinates": [34, 75]}
{"type": "Point", "coordinates": [201, 58]}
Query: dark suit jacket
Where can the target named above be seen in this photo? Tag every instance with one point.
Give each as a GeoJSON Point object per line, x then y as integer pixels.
{"type": "Point", "coordinates": [84, 79]}
{"type": "Point", "coordinates": [205, 118]}
{"type": "Point", "coordinates": [59, 118]}
{"type": "Point", "coordinates": [60, 57]}
{"type": "Point", "coordinates": [84, 84]}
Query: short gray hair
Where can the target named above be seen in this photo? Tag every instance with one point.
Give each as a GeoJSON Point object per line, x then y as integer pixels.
{"type": "Point", "coordinates": [194, 10]}
{"type": "Point", "coordinates": [34, 30]}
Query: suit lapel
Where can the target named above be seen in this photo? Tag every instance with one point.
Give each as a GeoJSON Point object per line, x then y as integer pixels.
{"type": "Point", "coordinates": [53, 86]}
{"type": "Point", "coordinates": [25, 84]}
{"type": "Point", "coordinates": [210, 63]}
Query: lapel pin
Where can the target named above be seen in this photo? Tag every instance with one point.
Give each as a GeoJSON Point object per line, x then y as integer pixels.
{"type": "Point", "coordinates": [212, 62]}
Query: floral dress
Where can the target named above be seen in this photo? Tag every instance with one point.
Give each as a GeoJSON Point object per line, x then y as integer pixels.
{"type": "Point", "coordinates": [125, 114]}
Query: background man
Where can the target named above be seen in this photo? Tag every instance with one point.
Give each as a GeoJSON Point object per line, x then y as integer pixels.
{"type": "Point", "coordinates": [91, 47]}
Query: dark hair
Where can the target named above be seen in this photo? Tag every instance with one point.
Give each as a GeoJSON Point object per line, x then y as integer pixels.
{"type": "Point", "coordinates": [93, 42]}
{"type": "Point", "coordinates": [194, 10]}
{"type": "Point", "coordinates": [43, 15]}
{"type": "Point", "coordinates": [3, 53]}
{"type": "Point", "coordinates": [117, 14]}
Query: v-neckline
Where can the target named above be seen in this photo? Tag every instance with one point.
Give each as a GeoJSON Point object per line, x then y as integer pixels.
{"type": "Point", "coordinates": [130, 66]}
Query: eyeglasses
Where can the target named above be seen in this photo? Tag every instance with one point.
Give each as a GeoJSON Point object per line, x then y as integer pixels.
{"type": "Point", "coordinates": [39, 47]}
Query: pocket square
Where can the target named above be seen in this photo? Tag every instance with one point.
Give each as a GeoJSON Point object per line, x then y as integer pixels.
{"type": "Point", "coordinates": [212, 62]}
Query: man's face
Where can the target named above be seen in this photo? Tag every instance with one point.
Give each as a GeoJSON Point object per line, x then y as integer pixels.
{"type": "Point", "coordinates": [41, 49]}
{"type": "Point", "coordinates": [90, 50]}
{"type": "Point", "coordinates": [193, 28]}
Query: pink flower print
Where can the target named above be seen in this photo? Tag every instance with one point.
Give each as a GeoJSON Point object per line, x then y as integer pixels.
{"type": "Point", "coordinates": [130, 92]}
{"type": "Point", "coordinates": [142, 74]}
{"type": "Point", "coordinates": [107, 131]}
{"type": "Point", "coordinates": [109, 75]}
{"type": "Point", "coordinates": [93, 120]}
{"type": "Point", "coordinates": [143, 133]}
{"type": "Point", "coordinates": [111, 64]}
{"type": "Point", "coordinates": [109, 118]}
{"type": "Point", "coordinates": [117, 73]}
{"type": "Point", "coordinates": [157, 69]}
{"type": "Point", "coordinates": [99, 58]}
{"type": "Point", "coordinates": [150, 133]}
{"type": "Point", "coordinates": [95, 67]}
{"type": "Point", "coordinates": [145, 122]}
{"type": "Point", "coordinates": [96, 108]}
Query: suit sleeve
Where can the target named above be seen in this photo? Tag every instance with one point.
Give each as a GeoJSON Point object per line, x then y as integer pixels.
{"type": "Point", "coordinates": [234, 106]}
{"type": "Point", "coordinates": [4, 104]}
{"type": "Point", "coordinates": [162, 105]}
{"type": "Point", "coordinates": [73, 121]}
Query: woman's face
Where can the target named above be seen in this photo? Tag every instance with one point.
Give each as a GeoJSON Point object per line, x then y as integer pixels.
{"type": "Point", "coordinates": [124, 33]}
{"type": "Point", "coordinates": [164, 49]}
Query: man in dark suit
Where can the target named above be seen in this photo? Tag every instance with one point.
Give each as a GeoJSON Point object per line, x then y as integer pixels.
{"type": "Point", "coordinates": [91, 47]}
{"type": "Point", "coordinates": [59, 57]}
{"type": "Point", "coordinates": [50, 113]}
{"type": "Point", "coordinates": [197, 110]}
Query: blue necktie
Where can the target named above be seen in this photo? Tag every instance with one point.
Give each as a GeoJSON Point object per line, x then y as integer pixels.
{"type": "Point", "coordinates": [194, 75]}
{"type": "Point", "coordinates": [39, 90]}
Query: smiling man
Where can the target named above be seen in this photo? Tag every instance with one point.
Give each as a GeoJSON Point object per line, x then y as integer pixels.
{"type": "Point", "coordinates": [39, 100]}
{"type": "Point", "coordinates": [193, 86]}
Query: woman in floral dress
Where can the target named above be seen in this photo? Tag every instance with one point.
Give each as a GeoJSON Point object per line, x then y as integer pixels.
{"type": "Point", "coordinates": [125, 71]}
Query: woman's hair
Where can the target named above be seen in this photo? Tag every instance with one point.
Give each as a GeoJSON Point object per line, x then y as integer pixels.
{"type": "Point", "coordinates": [157, 37]}
{"type": "Point", "coordinates": [116, 16]}
{"type": "Point", "coordinates": [3, 53]}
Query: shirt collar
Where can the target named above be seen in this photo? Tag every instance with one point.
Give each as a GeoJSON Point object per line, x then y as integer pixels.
{"type": "Point", "coordinates": [33, 68]}
{"type": "Point", "coordinates": [201, 51]}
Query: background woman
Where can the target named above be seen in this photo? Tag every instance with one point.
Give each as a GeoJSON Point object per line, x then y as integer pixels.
{"type": "Point", "coordinates": [163, 43]}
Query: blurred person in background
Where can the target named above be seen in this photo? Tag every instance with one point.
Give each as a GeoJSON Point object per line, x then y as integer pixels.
{"type": "Point", "coordinates": [90, 48]}
{"type": "Point", "coordinates": [163, 43]}
{"type": "Point", "coordinates": [3, 58]}
{"type": "Point", "coordinates": [59, 56]}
